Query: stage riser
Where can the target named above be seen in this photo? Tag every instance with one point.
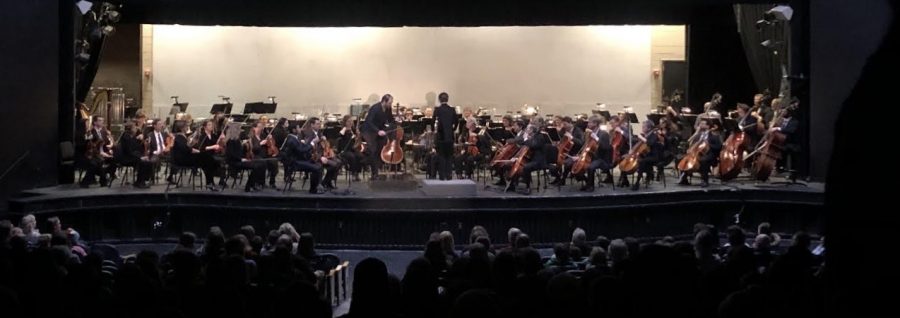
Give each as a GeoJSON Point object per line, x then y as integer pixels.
{"type": "Point", "coordinates": [345, 228]}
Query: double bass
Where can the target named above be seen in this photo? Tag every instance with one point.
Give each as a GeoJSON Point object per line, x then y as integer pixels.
{"type": "Point", "coordinates": [769, 149]}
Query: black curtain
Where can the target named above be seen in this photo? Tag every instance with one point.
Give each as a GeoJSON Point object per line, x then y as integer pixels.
{"type": "Point", "coordinates": [765, 63]}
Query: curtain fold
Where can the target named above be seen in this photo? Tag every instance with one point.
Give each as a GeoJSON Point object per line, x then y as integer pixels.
{"type": "Point", "coordinates": [765, 64]}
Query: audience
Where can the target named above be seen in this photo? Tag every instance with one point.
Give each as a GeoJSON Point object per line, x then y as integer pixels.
{"type": "Point", "coordinates": [242, 275]}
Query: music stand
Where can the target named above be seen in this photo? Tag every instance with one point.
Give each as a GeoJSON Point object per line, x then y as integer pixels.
{"type": "Point", "coordinates": [428, 122]}
{"type": "Point", "coordinates": [224, 108]}
{"type": "Point", "coordinates": [416, 127]}
{"type": "Point", "coordinates": [239, 118]}
{"type": "Point", "coordinates": [332, 133]}
{"type": "Point", "coordinates": [553, 133]}
{"type": "Point", "coordinates": [655, 118]}
{"type": "Point", "coordinates": [252, 108]}
{"type": "Point", "coordinates": [495, 125]}
{"type": "Point", "coordinates": [730, 124]}
{"type": "Point", "coordinates": [499, 134]}
{"type": "Point", "coordinates": [604, 113]}
{"type": "Point", "coordinates": [632, 118]}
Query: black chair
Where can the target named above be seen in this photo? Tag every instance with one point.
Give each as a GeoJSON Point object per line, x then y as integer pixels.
{"type": "Point", "coordinates": [108, 252]}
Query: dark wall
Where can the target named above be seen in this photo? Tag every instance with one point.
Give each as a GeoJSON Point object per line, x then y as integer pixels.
{"type": "Point", "coordinates": [121, 62]}
{"type": "Point", "coordinates": [841, 41]}
{"type": "Point", "coordinates": [854, 106]}
{"type": "Point", "coordinates": [29, 84]}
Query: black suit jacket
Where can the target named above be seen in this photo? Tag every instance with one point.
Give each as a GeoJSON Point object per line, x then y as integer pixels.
{"type": "Point", "coordinates": [445, 122]}
{"type": "Point", "coordinates": [604, 146]}
{"type": "Point", "coordinates": [377, 119]}
{"type": "Point", "coordinates": [152, 137]}
{"type": "Point", "coordinates": [538, 144]}
{"type": "Point", "coordinates": [181, 152]}
{"type": "Point", "coordinates": [294, 150]}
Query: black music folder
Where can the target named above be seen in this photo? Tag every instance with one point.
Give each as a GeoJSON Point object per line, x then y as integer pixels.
{"type": "Point", "coordinates": [655, 118]}
{"type": "Point", "coordinates": [500, 134]}
{"type": "Point", "coordinates": [553, 133]}
{"type": "Point", "coordinates": [604, 113]}
{"type": "Point", "coordinates": [415, 127]}
{"type": "Point", "coordinates": [224, 108]}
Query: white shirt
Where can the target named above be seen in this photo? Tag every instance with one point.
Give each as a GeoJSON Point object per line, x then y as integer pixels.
{"type": "Point", "coordinates": [159, 142]}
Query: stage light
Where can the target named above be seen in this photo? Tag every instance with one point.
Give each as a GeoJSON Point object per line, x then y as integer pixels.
{"type": "Point", "coordinates": [113, 16]}
{"type": "Point", "coordinates": [82, 57]}
{"type": "Point", "coordinates": [779, 13]}
{"type": "Point", "coordinates": [84, 6]}
{"type": "Point", "coordinates": [108, 30]}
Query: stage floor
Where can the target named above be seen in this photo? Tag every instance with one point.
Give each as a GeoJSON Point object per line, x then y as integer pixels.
{"type": "Point", "coordinates": [365, 216]}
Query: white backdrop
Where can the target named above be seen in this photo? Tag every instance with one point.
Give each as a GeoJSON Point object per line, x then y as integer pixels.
{"type": "Point", "coordinates": [562, 69]}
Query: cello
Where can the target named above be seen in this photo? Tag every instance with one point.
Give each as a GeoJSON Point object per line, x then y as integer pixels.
{"type": "Point", "coordinates": [691, 161]}
{"type": "Point", "coordinates": [585, 156]}
{"type": "Point", "coordinates": [563, 148]}
{"type": "Point", "coordinates": [392, 153]}
{"type": "Point", "coordinates": [519, 159]}
{"type": "Point", "coordinates": [731, 159]}
{"type": "Point", "coordinates": [629, 163]}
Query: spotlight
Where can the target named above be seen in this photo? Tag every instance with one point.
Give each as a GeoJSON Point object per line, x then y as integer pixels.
{"type": "Point", "coordinates": [113, 16]}
{"type": "Point", "coordinates": [779, 13]}
{"type": "Point", "coordinates": [84, 6]}
{"type": "Point", "coordinates": [108, 29]}
{"type": "Point", "coordinates": [82, 57]}
{"type": "Point", "coordinates": [769, 44]}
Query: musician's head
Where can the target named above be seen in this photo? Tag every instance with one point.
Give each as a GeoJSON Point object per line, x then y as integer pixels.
{"type": "Point", "coordinates": [140, 116]}
{"type": "Point", "coordinates": [428, 112]}
{"type": "Point", "coordinates": [179, 126]}
{"type": "Point", "coordinates": [647, 126]}
{"type": "Point", "coordinates": [209, 126]}
{"type": "Point", "coordinates": [130, 127]}
{"type": "Point", "coordinates": [387, 100]}
{"type": "Point", "coordinates": [314, 123]}
{"type": "Point", "coordinates": [294, 129]}
{"type": "Point", "coordinates": [776, 103]}
{"type": "Point", "coordinates": [594, 122]}
{"type": "Point", "coordinates": [347, 121]}
{"type": "Point", "coordinates": [614, 120]}
{"type": "Point", "coordinates": [508, 120]}
{"type": "Point", "coordinates": [742, 109]}
{"type": "Point", "coordinates": [283, 122]}
{"type": "Point", "coordinates": [233, 131]}
{"type": "Point", "coordinates": [443, 97]}
{"type": "Point", "coordinates": [98, 121]}
{"type": "Point", "coordinates": [758, 99]}
{"type": "Point", "coordinates": [264, 119]}
{"type": "Point", "coordinates": [519, 126]}
{"type": "Point", "coordinates": [704, 124]}
{"type": "Point", "coordinates": [158, 125]}
{"type": "Point", "coordinates": [259, 127]}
